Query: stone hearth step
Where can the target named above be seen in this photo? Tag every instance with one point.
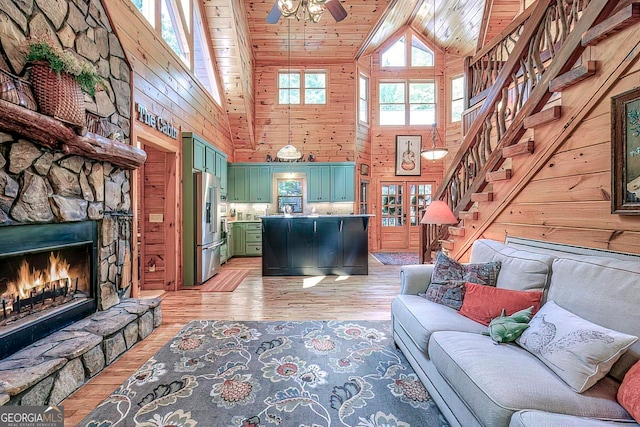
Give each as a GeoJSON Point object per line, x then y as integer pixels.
{"type": "Point", "coordinates": [49, 370]}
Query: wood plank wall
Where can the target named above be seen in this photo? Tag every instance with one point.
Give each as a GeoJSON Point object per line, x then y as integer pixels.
{"type": "Point", "coordinates": [326, 131]}
{"type": "Point", "coordinates": [454, 67]}
{"type": "Point", "coordinates": [163, 83]}
{"type": "Point", "coordinates": [568, 200]}
{"type": "Point", "coordinates": [383, 139]}
{"type": "Point", "coordinates": [167, 88]}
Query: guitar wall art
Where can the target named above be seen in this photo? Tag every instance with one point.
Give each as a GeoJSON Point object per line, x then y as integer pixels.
{"type": "Point", "coordinates": [408, 154]}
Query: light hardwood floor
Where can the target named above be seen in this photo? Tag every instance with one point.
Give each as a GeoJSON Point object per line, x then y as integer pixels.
{"type": "Point", "coordinates": [257, 298]}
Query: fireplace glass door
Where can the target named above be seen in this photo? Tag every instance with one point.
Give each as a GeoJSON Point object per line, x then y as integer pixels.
{"type": "Point", "coordinates": [34, 283]}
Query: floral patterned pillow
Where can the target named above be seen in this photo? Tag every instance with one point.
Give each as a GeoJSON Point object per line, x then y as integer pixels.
{"type": "Point", "coordinates": [446, 270]}
{"type": "Point", "coordinates": [450, 294]}
{"type": "Point", "coordinates": [578, 351]}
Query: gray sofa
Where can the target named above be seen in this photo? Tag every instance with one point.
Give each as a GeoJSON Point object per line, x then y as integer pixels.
{"type": "Point", "coordinates": [476, 382]}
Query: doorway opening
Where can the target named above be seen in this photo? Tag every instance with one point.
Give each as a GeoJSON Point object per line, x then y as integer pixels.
{"type": "Point", "coordinates": [158, 244]}
{"type": "Point", "coordinates": [401, 205]}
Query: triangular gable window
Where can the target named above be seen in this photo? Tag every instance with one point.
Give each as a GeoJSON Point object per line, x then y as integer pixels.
{"type": "Point", "coordinates": [421, 55]}
{"type": "Point", "coordinates": [203, 63]}
{"type": "Point", "coordinates": [394, 56]}
{"type": "Point", "coordinates": [408, 49]}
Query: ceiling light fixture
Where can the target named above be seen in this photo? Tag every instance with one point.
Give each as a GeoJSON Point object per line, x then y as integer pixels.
{"type": "Point", "coordinates": [302, 8]}
{"type": "Point", "coordinates": [289, 153]}
{"type": "Point", "coordinates": [434, 152]}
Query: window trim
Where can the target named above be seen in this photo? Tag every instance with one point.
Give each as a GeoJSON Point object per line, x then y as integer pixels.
{"type": "Point", "coordinates": [452, 99]}
{"type": "Point", "coordinates": [407, 101]}
{"type": "Point", "coordinates": [367, 80]}
{"type": "Point", "coordinates": [303, 87]}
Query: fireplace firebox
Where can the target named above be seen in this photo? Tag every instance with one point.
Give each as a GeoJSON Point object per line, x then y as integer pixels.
{"type": "Point", "coordinates": [48, 279]}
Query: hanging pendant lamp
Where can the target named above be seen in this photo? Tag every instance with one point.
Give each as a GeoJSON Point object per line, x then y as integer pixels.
{"type": "Point", "coordinates": [434, 152]}
{"type": "Point", "coordinates": [289, 153]}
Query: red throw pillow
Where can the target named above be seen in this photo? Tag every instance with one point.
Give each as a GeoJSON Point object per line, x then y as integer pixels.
{"type": "Point", "coordinates": [482, 303]}
{"type": "Point", "coordinates": [629, 392]}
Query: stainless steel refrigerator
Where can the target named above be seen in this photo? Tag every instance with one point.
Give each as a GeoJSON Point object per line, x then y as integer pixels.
{"type": "Point", "coordinates": [208, 237]}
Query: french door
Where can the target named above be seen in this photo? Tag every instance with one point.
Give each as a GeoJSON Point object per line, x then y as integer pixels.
{"type": "Point", "coordinates": [401, 204]}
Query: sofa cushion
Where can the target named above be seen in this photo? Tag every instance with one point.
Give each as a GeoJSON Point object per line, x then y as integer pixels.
{"type": "Point", "coordinates": [528, 418]}
{"type": "Point", "coordinates": [629, 392]}
{"type": "Point", "coordinates": [447, 269]}
{"type": "Point", "coordinates": [604, 291]}
{"type": "Point", "coordinates": [578, 351]}
{"type": "Point", "coordinates": [496, 380]}
{"type": "Point", "coordinates": [521, 270]}
{"type": "Point", "coordinates": [450, 293]}
{"type": "Point", "coordinates": [420, 318]}
{"type": "Point", "coordinates": [483, 303]}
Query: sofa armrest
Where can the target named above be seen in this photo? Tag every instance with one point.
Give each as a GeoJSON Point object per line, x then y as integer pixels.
{"type": "Point", "coordinates": [415, 278]}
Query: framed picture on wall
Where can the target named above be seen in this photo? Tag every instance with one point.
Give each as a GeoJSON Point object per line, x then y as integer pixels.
{"type": "Point", "coordinates": [625, 144]}
{"type": "Point", "coordinates": [408, 154]}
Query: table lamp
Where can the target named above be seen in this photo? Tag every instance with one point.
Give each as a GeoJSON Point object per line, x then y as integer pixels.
{"type": "Point", "coordinates": [437, 213]}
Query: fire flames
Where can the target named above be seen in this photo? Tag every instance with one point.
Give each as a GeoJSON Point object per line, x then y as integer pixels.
{"type": "Point", "coordinates": [30, 279]}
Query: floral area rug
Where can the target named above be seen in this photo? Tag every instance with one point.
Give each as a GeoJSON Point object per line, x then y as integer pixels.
{"type": "Point", "coordinates": [396, 258]}
{"type": "Point", "coordinates": [258, 374]}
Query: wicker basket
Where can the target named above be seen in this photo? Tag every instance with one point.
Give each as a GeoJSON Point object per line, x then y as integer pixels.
{"type": "Point", "coordinates": [57, 95]}
{"type": "Point", "coordinates": [17, 91]}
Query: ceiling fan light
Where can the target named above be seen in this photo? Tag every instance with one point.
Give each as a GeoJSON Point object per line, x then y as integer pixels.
{"type": "Point", "coordinates": [289, 7]}
{"type": "Point", "coordinates": [434, 153]}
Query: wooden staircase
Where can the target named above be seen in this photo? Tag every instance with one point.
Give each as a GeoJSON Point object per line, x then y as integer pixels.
{"type": "Point", "coordinates": [517, 93]}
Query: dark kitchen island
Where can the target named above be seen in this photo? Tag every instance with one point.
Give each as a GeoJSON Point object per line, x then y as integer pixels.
{"type": "Point", "coordinates": [311, 245]}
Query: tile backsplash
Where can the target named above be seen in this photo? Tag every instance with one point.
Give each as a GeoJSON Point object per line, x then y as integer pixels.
{"type": "Point", "coordinates": [259, 209]}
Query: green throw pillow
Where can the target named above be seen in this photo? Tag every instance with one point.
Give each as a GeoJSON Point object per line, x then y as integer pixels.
{"type": "Point", "coordinates": [505, 328]}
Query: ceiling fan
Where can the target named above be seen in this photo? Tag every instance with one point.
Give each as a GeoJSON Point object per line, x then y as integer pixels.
{"type": "Point", "coordinates": [300, 8]}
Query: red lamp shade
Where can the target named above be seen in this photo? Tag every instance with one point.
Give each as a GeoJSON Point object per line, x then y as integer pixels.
{"type": "Point", "coordinates": [438, 212]}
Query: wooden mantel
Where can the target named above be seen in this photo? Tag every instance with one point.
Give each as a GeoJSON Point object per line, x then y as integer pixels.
{"type": "Point", "coordinates": [53, 134]}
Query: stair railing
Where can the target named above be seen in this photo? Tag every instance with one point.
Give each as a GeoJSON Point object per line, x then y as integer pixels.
{"type": "Point", "coordinates": [499, 121]}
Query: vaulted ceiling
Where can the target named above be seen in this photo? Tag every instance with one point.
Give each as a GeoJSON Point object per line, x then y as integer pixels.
{"type": "Point", "coordinates": [241, 38]}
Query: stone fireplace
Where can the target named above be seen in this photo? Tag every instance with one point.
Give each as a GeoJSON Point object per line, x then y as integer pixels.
{"type": "Point", "coordinates": [66, 216]}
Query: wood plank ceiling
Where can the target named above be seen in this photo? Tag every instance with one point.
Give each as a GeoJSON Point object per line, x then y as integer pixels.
{"type": "Point", "coordinates": [241, 39]}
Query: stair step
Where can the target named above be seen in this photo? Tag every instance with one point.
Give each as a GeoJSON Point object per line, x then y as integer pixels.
{"type": "Point", "coordinates": [573, 76]}
{"type": "Point", "coordinates": [499, 175]}
{"type": "Point", "coordinates": [447, 244]}
{"type": "Point", "coordinates": [525, 147]}
{"type": "Point", "coordinates": [544, 116]}
{"type": "Point", "coordinates": [468, 215]}
{"type": "Point", "coordinates": [621, 20]}
{"type": "Point", "coordinates": [456, 231]}
{"type": "Point", "coordinates": [482, 197]}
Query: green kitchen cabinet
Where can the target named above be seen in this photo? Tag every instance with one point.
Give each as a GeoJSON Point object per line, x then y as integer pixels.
{"type": "Point", "coordinates": [237, 236]}
{"type": "Point", "coordinates": [319, 183]}
{"type": "Point", "coordinates": [259, 184]}
{"type": "Point", "coordinates": [238, 184]}
{"type": "Point", "coordinates": [343, 183]}
{"type": "Point", "coordinates": [221, 172]}
{"type": "Point", "coordinates": [199, 155]}
{"type": "Point", "coordinates": [210, 160]}
{"type": "Point", "coordinates": [247, 238]}
{"type": "Point", "coordinates": [249, 184]}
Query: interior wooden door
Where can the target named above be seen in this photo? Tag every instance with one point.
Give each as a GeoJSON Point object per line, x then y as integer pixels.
{"type": "Point", "coordinates": [401, 204]}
